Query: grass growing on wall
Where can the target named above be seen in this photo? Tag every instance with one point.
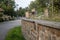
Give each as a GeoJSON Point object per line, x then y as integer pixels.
{"type": "Point", "coordinates": [15, 34]}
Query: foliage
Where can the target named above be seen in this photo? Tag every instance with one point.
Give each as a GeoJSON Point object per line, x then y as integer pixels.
{"type": "Point", "coordinates": [15, 34]}
{"type": "Point", "coordinates": [21, 11]}
{"type": "Point", "coordinates": [8, 6]}
{"type": "Point", "coordinates": [1, 14]}
{"type": "Point", "coordinates": [53, 7]}
{"type": "Point", "coordinates": [39, 5]}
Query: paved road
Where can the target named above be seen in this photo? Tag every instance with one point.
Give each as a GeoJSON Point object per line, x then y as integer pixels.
{"type": "Point", "coordinates": [5, 26]}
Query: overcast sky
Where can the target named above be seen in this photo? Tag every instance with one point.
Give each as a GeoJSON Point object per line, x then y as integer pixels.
{"type": "Point", "coordinates": [23, 3]}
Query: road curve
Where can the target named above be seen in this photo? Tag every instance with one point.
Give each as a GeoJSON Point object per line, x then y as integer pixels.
{"type": "Point", "coordinates": [5, 26]}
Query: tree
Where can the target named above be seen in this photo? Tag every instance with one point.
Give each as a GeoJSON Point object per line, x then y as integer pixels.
{"type": "Point", "coordinates": [21, 11]}
{"type": "Point", "coordinates": [8, 6]}
{"type": "Point", "coordinates": [53, 6]}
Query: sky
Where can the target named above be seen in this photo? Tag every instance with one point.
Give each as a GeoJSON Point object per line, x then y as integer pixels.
{"type": "Point", "coordinates": [22, 3]}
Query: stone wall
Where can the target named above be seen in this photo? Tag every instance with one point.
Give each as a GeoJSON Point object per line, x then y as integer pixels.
{"type": "Point", "coordinates": [40, 30]}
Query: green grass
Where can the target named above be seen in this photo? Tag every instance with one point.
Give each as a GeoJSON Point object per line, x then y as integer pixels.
{"type": "Point", "coordinates": [15, 34]}
{"type": "Point", "coordinates": [56, 19]}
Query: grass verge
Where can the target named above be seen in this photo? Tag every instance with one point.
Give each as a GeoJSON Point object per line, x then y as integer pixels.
{"type": "Point", "coordinates": [15, 34]}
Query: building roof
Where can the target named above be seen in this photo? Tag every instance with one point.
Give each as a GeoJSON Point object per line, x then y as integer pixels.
{"type": "Point", "coordinates": [1, 9]}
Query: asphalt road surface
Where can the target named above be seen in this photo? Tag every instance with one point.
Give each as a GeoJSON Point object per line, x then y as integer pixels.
{"type": "Point", "coordinates": [5, 26]}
